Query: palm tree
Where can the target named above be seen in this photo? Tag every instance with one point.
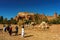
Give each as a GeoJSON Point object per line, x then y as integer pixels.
{"type": "Point", "coordinates": [37, 18]}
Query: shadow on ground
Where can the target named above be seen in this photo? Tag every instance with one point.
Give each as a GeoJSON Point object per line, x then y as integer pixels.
{"type": "Point", "coordinates": [28, 36]}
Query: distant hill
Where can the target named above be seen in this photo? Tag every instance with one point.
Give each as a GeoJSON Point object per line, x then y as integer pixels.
{"type": "Point", "coordinates": [27, 16]}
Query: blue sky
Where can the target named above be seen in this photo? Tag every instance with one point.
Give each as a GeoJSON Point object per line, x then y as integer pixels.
{"type": "Point", "coordinates": [10, 8]}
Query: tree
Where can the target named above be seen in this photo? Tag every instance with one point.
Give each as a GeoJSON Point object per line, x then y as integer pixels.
{"type": "Point", "coordinates": [55, 21]}
{"type": "Point", "coordinates": [27, 21]}
{"type": "Point", "coordinates": [37, 18]}
{"type": "Point", "coordinates": [12, 21]}
{"type": "Point", "coordinates": [1, 19]}
{"type": "Point", "coordinates": [59, 15]}
{"type": "Point", "coordinates": [8, 22]}
{"type": "Point", "coordinates": [5, 21]}
{"type": "Point", "coordinates": [11, 18]}
{"type": "Point", "coordinates": [45, 19]}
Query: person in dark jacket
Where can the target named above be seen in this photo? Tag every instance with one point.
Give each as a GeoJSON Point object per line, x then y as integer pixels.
{"type": "Point", "coordinates": [10, 30]}
{"type": "Point", "coordinates": [16, 30]}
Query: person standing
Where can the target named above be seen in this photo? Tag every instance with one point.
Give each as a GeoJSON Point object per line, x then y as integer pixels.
{"type": "Point", "coordinates": [16, 30]}
{"type": "Point", "coordinates": [22, 34]}
{"type": "Point", "coordinates": [4, 28]}
{"type": "Point", "coordinates": [10, 30]}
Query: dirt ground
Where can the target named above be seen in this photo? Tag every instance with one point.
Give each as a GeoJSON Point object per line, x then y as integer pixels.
{"type": "Point", "coordinates": [53, 33]}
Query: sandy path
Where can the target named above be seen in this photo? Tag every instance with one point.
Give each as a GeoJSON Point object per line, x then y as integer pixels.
{"type": "Point", "coordinates": [35, 34]}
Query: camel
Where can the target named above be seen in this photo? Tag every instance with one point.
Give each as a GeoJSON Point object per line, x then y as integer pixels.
{"type": "Point", "coordinates": [44, 25]}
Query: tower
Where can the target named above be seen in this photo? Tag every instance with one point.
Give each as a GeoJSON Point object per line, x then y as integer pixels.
{"type": "Point", "coordinates": [55, 15]}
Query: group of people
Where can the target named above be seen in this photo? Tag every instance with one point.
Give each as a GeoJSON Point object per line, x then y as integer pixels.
{"type": "Point", "coordinates": [9, 29]}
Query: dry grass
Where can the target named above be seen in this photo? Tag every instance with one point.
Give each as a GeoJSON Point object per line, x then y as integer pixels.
{"type": "Point", "coordinates": [35, 34]}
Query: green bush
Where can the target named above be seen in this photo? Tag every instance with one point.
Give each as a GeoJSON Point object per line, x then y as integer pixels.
{"type": "Point", "coordinates": [55, 21]}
